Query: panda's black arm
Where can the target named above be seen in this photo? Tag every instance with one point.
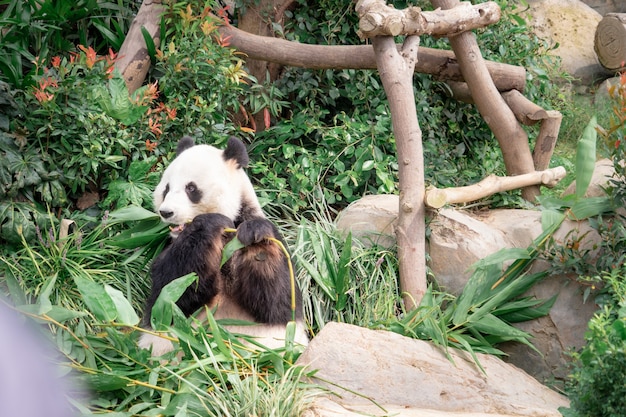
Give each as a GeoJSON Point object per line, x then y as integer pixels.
{"type": "Point", "coordinates": [260, 274]}
{"type": "Point", "coordinates": [197, 249]}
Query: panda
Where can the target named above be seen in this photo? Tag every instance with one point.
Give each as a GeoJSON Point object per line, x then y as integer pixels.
{"type": "Point", "coordinates": [202, 192]}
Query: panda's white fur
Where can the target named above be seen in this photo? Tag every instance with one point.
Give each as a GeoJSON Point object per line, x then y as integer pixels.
{"type": "Point", "coordinates": [224, 186]}
{"type": "Point", "coordinates": [226, 189]}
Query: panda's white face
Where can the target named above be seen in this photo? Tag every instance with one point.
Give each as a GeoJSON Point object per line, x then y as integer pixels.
{"type": "Point", "coordinates": [199, 180]}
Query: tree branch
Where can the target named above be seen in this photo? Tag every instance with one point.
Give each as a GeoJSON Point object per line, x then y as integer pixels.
{"type": "Point", "coordinates": [378, 19]}
{"type": "Point", "coordinates": [442, 64]}
{"type": "Point", "coordinates": [437, 198]}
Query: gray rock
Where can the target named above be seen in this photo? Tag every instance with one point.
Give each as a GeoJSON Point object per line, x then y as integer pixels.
{"type": "Point", "coordinates": [382, 373]}
{"type": "Point", "coordinates": [571, 24]}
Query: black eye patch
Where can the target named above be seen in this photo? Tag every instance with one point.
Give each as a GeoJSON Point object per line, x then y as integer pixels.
{"type": "Point", "coordinates": [194, 194]}
{"type": "Point", "coordinates": [167, 190]}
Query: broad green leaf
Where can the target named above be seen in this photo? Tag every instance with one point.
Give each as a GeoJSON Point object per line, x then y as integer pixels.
{"type": "Point", "coordinates": [551, 217]}
{"type": "Point", "coordinates": [44, 295]}
{"type": "Point", "coordinates": [96, 299]}
{"type": "Point", "coordinates": [586, 157]}
{"type": "Point", "coordinates": [131, 213]}
{"type": "Point", "coordinates": [591, 207]}
{"type": "Point", "coordinates": [125, 312]}
{"type": "Point", "coordinates": [342, 277]}
{"type": "Point", "coordinates": [503, 255]}
{"type": "Point", "coordinates": [162, 311]}
{"type": "Point", "coordinates": [229, 249]}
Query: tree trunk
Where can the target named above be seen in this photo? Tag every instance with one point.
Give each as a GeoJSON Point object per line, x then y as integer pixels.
{"type": "Point", "coordinates": [258, 19]}
{"type": "Point", "coordinates": [134, 61]}
{"type": "Point", "coordinates": [396, 72]}
{"type": "Point", "coordinates": [510, 135]}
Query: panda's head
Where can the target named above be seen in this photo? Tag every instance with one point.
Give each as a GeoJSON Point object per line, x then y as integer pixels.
{"type": "Point", "coordinates": [204, 179]}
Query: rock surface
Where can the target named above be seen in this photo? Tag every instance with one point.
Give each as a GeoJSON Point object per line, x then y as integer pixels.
{"type": "Point", "coordinates": [459, 238]}
{"type": "Point", "coordinates": [382, 373]}
{"type": "Point", "coordinates": [571, 24]}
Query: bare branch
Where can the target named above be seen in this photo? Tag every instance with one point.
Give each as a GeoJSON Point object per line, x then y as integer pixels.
{"type": "Point", "coordinates": [437, 198]}
{"type": "Point", "coordinates": [442, 64]}
{"type": "Point", "coordinates": [378, 19]}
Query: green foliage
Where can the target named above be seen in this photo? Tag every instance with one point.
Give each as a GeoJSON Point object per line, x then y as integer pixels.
{"type": "Point", "coordinates": [72, 261]}
{"type": "Point", "coordinates": [36, 30]}
{"type": "Point", "coordinates": [347, 159]}
{"type": "Point", "coordinates": [210, 373]}
{"type": "Point", "coordinates": [596, 387]}
{"type": "Point", "coordinates": [85, 133]}
{"type": "Point", "coordinates": [615, 139]}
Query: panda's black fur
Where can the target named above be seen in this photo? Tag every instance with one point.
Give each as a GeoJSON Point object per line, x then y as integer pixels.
{"type": "Point", "coordinates": [256, 278]}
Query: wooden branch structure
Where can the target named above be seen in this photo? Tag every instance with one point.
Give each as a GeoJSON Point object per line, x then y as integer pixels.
{"type": "Point", "coordinates": [437, 198]}
{"type": "Point", "coordinates": [610, 42]}
{"type": "Point", "coordinates": [439, 63]}
{"type": "Point", "coordinates": [396, 72]}
{"type": "Point", "coordinates": [378, 19]}
{"type": "Point", "coordinates": [492, 107]}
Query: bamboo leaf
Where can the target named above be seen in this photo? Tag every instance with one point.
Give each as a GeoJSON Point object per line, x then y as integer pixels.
{"type": "Point", "coordinates": [125, 312]}
{"type": "Point", "coordinates": [229, 249]}
{"type": "Point", "coordinates": [586, 157]}
{"type": "Point", "coordinates": [162, 311]}
{"type": "Point", "coordinates": [44, 295]}
{"type": "Point", "coordinates": [96, 299]}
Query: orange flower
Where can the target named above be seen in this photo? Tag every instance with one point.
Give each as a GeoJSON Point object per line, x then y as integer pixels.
{"type": "Point", "coordinates": [56, 61]}
{"type": "Point", "coordinates": [151, 146]}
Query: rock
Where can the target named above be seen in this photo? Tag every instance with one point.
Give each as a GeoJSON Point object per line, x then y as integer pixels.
{"type": "Point", "coordinates": [571, 24]}
{"type": "Point", "coordinates": [383, 373]}
{"type": "Point", "coordinates": [459, 238]}
{"type": "Point", "coordinates": [371, 219]}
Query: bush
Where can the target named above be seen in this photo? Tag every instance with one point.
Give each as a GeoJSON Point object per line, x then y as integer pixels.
{"type": "Point", "coordinates": [597, 385]}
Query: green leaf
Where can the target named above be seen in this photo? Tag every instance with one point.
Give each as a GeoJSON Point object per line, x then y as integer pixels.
{"type": "Point", "coordinates": [149, 45]}
{"type": "Point", "coordinates": [44, 295]}
{"type": "Point", "coordinates": [125, 312]}
{"type": "Point", "coordinates": [586, 157]}
{"type": "Point", "coordinates": [162, 311]}
{"type": "Point", "coordinates": [229, 249]}
{"type": "Point", "coordinates": [96, 299]}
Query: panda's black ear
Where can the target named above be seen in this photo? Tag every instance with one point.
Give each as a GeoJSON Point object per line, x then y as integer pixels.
{"type": "Point", "coordinates": [185, 143]}
{"type": "Point", "coordinates": [236, 151]}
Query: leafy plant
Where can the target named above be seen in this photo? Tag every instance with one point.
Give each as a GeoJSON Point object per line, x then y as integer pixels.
{"type": "Point", "coordinates": [596, 384]}
{"type": "Point", "coordinates": [211, 374]}
{"type": "Point", "coordinates": [36, 30]}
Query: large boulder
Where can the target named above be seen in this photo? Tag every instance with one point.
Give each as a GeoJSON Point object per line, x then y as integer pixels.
{"type": "Point", "coordinates": [459, 238]}
{"type": "Point", "coordinates": [381, 373]}
{"type": "Point", "coordinates": [571, 24]}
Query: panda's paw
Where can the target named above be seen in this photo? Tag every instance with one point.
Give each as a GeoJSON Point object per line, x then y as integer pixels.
{"type": "Point", "coordinates": [255, 231]}
{"type": "Point", "coordinates": [209, 223]}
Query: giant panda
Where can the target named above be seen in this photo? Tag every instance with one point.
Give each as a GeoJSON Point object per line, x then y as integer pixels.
{"type": "Point", "coordinates": [202, 192]}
